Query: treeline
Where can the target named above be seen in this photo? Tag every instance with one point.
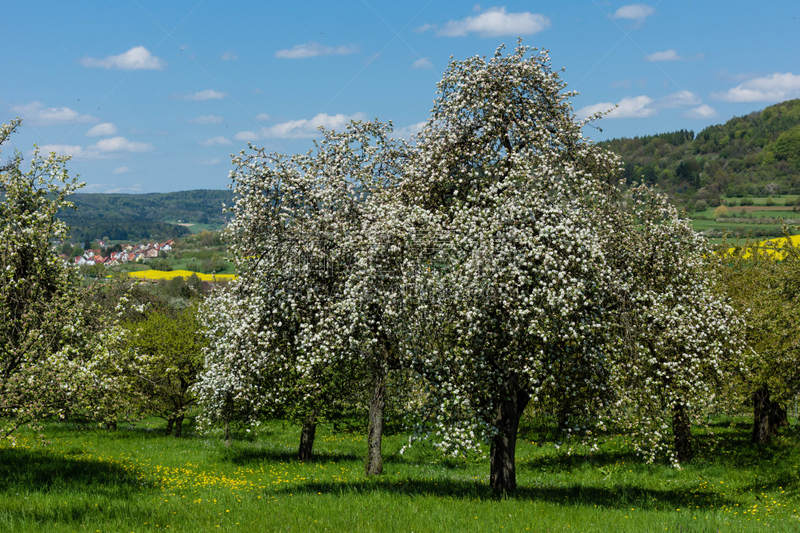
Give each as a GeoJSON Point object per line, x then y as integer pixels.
{"type": "Point", "coordinates": [754, 155]}
{"type": "Point", "coordinates": [143, 216]}
{"type": "Point", "coordinates": [127, 229]}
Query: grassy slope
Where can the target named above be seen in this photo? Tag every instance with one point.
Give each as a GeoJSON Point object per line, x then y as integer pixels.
{"type": "Point", "coordinates": [758, 210]}
{"type": "Point", "coordinates": [137, 480]}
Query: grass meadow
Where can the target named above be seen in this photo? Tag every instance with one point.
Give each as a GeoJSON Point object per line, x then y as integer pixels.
{"type": "Point", "coordinates": [136, 479]}
{"type": "Point", "coordinates": [783, 208]}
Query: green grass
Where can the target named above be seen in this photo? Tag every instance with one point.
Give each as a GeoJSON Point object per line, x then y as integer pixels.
{"type": "Point", "coordinates": [135, 479]}
{"type": "Point", "coordinates": [196, 227]}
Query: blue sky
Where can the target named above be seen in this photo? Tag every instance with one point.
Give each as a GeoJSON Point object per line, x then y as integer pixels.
{"type": "Point", "coordinates": [154, 96]}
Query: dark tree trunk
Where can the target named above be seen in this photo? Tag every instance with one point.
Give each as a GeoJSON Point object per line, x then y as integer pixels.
{"type": "Point", "coordinates": [170, 424]}
{"type": "Point", "coordinates": [761, 426]}
{"type": "Point", "coordinates": [374, 463]}
{"type": "Point", "coordinates": [503, 470]}
{"type": "Point", "coordinates": [227, 433]}
{"type": "Point", "coordinates": [562, 414]}
{"type": "Point", "coordinates": [111, 426]}
{"type": "Point", "coordinates": [682, 430]}
{"type": "Point", "coordinates": [768, 416]}
{"type": "Point", "coordinates": [307, 435]}
{"type": "Point", "coordinates": [179, 426]}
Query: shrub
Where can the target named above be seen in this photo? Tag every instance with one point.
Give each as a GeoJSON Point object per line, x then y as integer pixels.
{"type": "Point", "coordinates": [721, 212]}
{"type": "Point", "coordinates": [161, 264]}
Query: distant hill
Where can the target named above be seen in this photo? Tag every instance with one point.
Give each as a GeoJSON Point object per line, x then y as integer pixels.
{"type": "Point", "coordinates": [143, 216]}
{"type": "Point", "coordinates": [754, 155]}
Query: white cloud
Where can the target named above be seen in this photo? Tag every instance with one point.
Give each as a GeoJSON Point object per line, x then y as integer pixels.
{"type": "Point", "coordinates": [206, 119]}
{"type": "Point", "coordinates": [214, 141]}
{"type": "Point", "coordinates": [302, 128]}
{"type": "Point", "coordinates": [120, 144]}
{"type": "Point", "coordinates": [38, 115]}
{"type": "Point", "coordinates": [312, 49]}
{"type": "Point", "coordinates": [409, 131]}
{"type": "Point", "coordinates": [422, 64]}
{"type": "Point", "coordinates": [102, 149]}
{"type": "Point", "coordinates": [106, 128]}
{"type": "Point", "coordinates": [210, 162]}
{"type": "Point", "coordinates": [208, 94]}
{"type": "Point", "coordinates": [704, 111]}
{"type": "Point", "coordinates": [774, 88]}
{"type": "Point", "coordinates": [122, 170]}
{"type": "Point", "coordinates": [136, 187]}
{"type": "Point", "coordinates": [308, 128]}
{"type": "Point", "coordinates": [634, 12]}
{"type": "Point", "coordinates": [636, 107]}
{"type": "Point", "coordinates": [425, 27]}
{"type": "Point", "coordinates": [136, 58]}
{"type": "Point", "coordinates": [642, 106]}
{"type": "Point", "coordinates": [250, 135]}
{"type": "Point", "coordinates": [495, 22]}
{"type": "Point", "coordinates": [229, 56]}
{"type": "Point", "coordinates": [666, 55]}
{"type": "Point", "coordinates": [679, 99]}
{"type": "Point", "coordinates": [263, 116]}
{"type": "Point", "coordinates": [77, 152]}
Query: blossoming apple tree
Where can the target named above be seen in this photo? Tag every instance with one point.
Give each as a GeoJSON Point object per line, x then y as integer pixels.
{"type": "Point", "coordinates": [283, 340]}
{"type": "Point", "coordinates": [512, 308]}
{"type": "Point", "coordinates": [49, 351]}
{"type": "Point", "coordinates": [676, 342]}
{"type": "Point", "coordinates": [524, 299]}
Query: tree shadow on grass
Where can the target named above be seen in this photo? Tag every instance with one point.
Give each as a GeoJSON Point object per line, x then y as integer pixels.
{"type": "Point", "coordinates": [241, 455]}
{"type": "Point", "coordinates": [562, 461]}
{"type": "Point", "coordinates": [617, 496]}
{"type": "Point", "coordinates": [35, 470]}
{"type": "Point", "coordinates": [29, 475]}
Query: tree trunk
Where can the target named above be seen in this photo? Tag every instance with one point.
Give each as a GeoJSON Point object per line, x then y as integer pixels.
{"type": "Point", "coordinates": [170, 424]}
{"type": "Point", "coordinates": [682, 430]}
{"type": "Point", "coordinates": [374, 463]}
{"type": "Point", "coordinates": [761, 429]}
{"type": "Point", "coordinates": [227, 433]}
{"type": "Point", "coordinates": [179, 426]}
{"type": "Point", "coordinates": [768, 416]}
{"type": "Point", "coordinates": [502, 469]}
{"type": "Point", "coordinates": [307, 435]}
{"type": "Point", "coordinates": [563, 412]}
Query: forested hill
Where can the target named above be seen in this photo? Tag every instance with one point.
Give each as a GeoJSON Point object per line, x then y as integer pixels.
{"type": "Point", "coordinates": [143, 216]}
{"type": "Point", "coordinates": [754, 155]}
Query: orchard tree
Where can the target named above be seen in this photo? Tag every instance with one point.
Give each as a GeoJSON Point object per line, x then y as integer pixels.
{"type": "Point", "coordinates": [281, 344]}
{"type": "Point", "coordinates": [520, 301]}
{"type": "Point", "coordinates": [163, 351]}
{"type": "Point", "coordinates": [511, 307]}
{"type": "Point", "coordinates": [675, 343]}
{"type": "Point", "coordinates": [763, 282]}
{"type": "Point", "coordinates": [48, 350]}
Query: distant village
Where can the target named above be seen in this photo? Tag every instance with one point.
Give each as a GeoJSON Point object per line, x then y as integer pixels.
{"type": "Point", "coordinates": [130, 253]}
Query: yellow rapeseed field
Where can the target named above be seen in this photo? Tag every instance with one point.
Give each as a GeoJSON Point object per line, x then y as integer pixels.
{"type": "Point", "coordinates": [158, 274]}
{"type": "Point", "coordinates": [772, 247]}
